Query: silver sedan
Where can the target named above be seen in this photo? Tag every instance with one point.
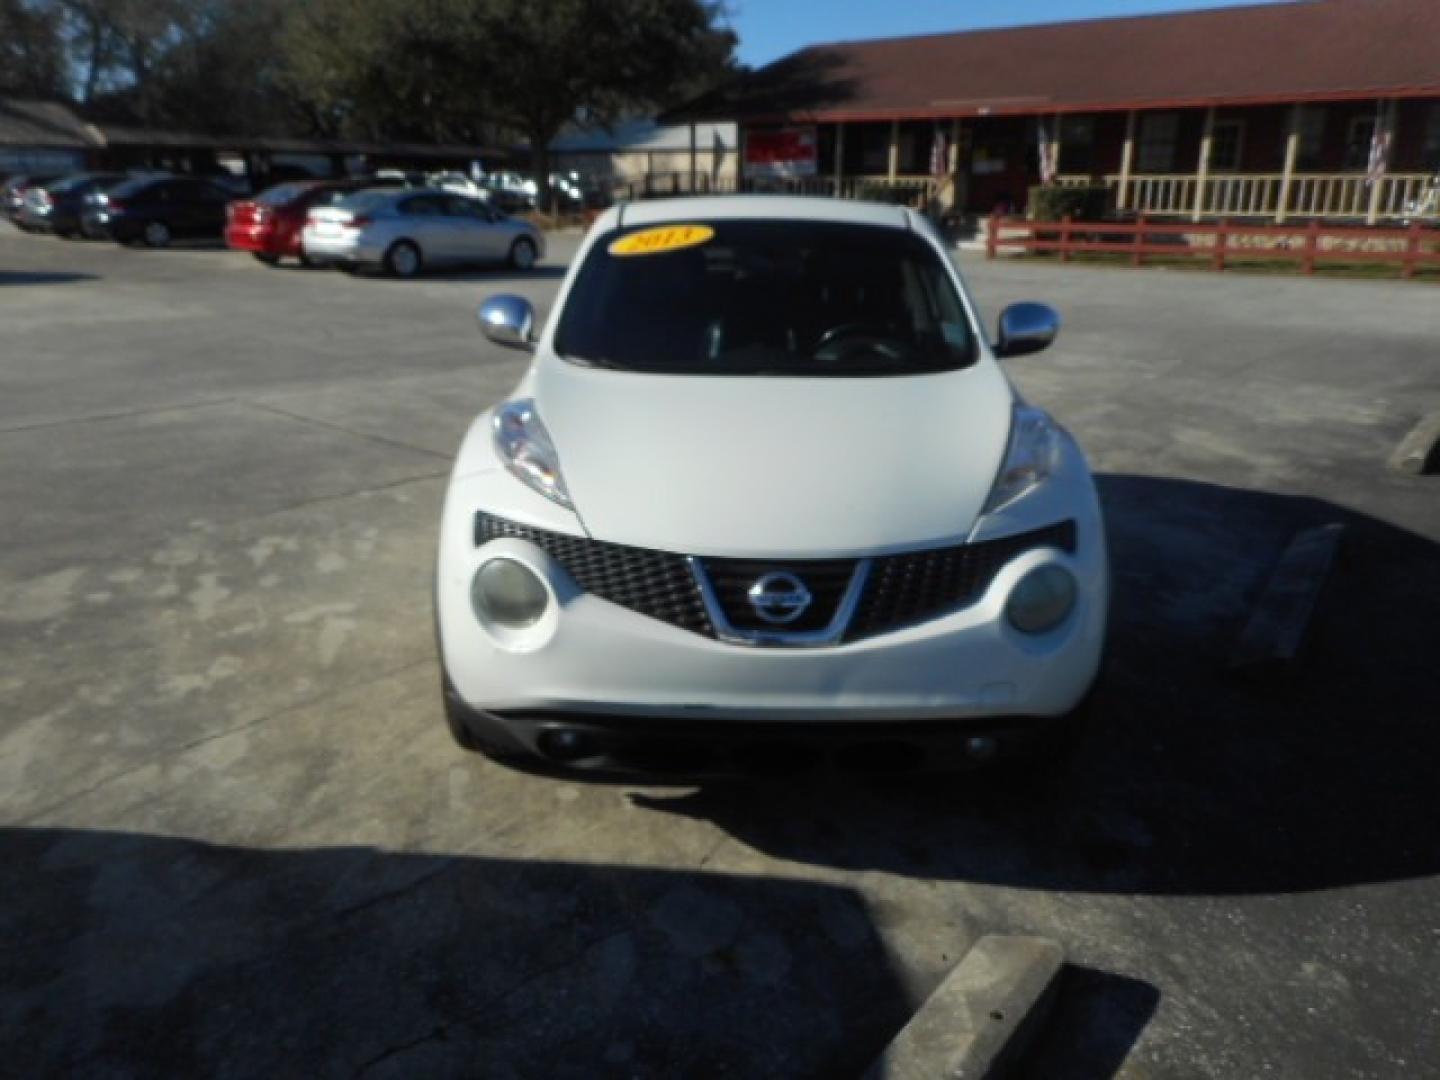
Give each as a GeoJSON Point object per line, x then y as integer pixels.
{"type": "Point", "coordinates": [406, 231]}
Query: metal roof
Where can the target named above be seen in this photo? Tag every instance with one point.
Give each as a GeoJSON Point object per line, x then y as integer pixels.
{"type": "Point", "coordinates": [50, 124]}
{"type": "Point", "coordinates": [45, 124]}
{"type": "Point", "coordinates": [1304, 50]}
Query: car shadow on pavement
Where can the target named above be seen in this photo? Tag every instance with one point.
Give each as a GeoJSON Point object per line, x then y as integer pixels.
{"type": "Point", "coordinates": [137, 955]}
{"type": "Point", "coordinates": [1187, 780]}
{"type": "Point", "coordinates": [42, 277]}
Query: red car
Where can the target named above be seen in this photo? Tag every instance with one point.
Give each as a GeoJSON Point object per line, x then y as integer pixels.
{"type": "Point", "coordinates": [268, 226]}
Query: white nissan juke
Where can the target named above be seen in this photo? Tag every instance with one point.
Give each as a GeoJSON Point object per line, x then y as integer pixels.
{"type": "Point", "coordinates": [763, 500]}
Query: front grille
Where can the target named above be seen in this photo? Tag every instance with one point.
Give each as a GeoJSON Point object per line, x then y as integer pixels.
{"type": "Point", "coordinates": [901, 590]}
{"type": "Point", "coordinates": [906, 589]}
{"type": "Point", "coordinates": [825, 580]}
{"type": "Point", "coordinates": [653, 583]}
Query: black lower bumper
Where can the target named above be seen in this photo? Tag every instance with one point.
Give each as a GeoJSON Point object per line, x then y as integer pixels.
{"type": "Point", "coordinates": [690, 747]}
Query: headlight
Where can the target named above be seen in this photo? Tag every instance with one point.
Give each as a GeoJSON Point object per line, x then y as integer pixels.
{"type": "Point", "coordinates": [1030, 458]}
{"type": "Point", "coordinates": [525, 447]}
{"type": "Point", "coordinates": [1041, 599]}
{"type": "Point", "coordinates": [509, 593]}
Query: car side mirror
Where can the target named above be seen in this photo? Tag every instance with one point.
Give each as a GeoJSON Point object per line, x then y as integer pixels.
{"type": "Point", "coordinates": [509, 321]}
{"type": "Point", "coordinates": [1026, 328]}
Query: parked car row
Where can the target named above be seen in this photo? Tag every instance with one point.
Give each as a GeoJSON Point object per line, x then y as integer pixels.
{"type": "Point", "coordinates": [397, 222]}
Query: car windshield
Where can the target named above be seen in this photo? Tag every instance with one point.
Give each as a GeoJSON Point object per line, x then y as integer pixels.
{"type": "Point", "coordinates": [281, 194]}
{"type": "Point", "coordinates": [752, 297]}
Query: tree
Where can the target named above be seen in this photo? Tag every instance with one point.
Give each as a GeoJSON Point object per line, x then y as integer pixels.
{"type": "Point", "coordinates": [550, 61]}
{"type": "Point", "coordinates": [32, 55]}
{"type": "Point", "coordinates": [387, 69]}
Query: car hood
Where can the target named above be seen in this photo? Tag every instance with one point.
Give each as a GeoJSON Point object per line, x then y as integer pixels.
{"type": "Point", "coordinates": [765, 467]}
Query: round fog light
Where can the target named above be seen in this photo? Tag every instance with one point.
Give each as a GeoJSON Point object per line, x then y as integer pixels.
{"type": "Point", "coordinates": [1041, 599]}
{"type": "Point", "coordinates": [509, 593]}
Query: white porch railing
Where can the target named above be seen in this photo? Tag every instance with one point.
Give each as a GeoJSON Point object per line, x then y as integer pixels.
{"type": "Point", "coordinates": [1232, 195]}
{"type": "Point", "coordinates": [1311, 195]}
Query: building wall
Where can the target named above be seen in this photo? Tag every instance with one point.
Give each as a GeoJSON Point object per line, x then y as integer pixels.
{"type": "Point", "coordinates": [625, 167]}
{"type": "Point", "coordinates": [38, 159]}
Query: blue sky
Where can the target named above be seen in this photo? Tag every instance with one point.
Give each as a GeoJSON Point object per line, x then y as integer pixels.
{"type": "Point", "coordinates": [769, 29]}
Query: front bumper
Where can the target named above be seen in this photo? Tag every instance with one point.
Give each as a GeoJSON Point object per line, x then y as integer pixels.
{"type": "Point", "coordinates": [608, 670]}
{"type": "Point", "coordinates": [684, 747]}
{"type": "Point", "coordinates": [34, 221]}
{"type": "Point", "coordinates": [95, 225]}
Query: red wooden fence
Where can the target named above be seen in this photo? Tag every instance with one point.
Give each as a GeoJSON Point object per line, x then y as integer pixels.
{"type": "Point", "coordinates": [1414, 247]}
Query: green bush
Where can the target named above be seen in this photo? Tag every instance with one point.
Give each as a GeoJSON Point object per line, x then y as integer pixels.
{"type": "Point", "coordinates": [1077, 203]}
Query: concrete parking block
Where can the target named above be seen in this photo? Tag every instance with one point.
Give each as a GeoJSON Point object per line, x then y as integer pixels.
{"type": "Point", "coordinates": [976, 1021]}
{"type": "Point", "coordinates": [1419, 452]}
{"type": "Point", "coordinates": [1281, 617]}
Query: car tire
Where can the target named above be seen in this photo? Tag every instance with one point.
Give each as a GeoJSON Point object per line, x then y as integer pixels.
{"type": "Point", "coordinates": [268, 260]}
{"type": "Point", "coordinates": [523, 255]}
{"type": "Point", "coordinates": [156, 234]}
{"type": "Point", "coordinates": [403, 259]}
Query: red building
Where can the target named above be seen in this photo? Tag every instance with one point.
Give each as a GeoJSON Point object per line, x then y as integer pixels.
{"type": "Point", "coordinates": [1315, 108]}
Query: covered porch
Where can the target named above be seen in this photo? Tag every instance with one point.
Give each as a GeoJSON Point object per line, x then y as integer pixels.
{"type": "Point", "coordinates": [1367, 160]}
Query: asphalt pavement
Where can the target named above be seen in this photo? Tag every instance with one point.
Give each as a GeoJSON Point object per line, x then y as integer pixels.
{"type": "Point", "coordinates": [237, 840]}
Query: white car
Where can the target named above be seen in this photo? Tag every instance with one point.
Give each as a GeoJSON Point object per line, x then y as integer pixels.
{"type": "Point", "coordinates": [763, 499]}
{"type": "Point", "coordinates": [407, 230]}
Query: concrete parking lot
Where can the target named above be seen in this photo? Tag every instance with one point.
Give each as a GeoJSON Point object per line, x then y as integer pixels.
{"type": "Point", "coordinates": [236, 838]}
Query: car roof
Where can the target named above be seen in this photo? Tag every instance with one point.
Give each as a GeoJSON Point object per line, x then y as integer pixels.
{"type": "Point", "coordinates": [768, 207]}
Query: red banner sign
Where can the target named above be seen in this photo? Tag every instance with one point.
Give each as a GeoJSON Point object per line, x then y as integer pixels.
{"type": "Point", "coordinates": [791, 151]}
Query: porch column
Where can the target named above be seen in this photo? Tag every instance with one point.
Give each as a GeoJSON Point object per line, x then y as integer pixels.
{"type": "Point", "coordinates": [692, 157]}
{"type": "Point", "coordinates": [1202, 171]}
{"type": "Point", "coordinates": [952, 166]}
{"type": "Point", "coordinates": [839, 155]}
{"type": "Point", "coordinates": [1387, 126]}
{"type": "Point", "coordinates": [1292, 155]}
{"type": "Point", "coordinates": [1127, 160]}
{"type": "Point", "coordinates": [893, 164]}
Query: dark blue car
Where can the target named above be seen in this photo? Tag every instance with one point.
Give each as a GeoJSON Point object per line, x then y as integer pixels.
{"type": "Point", "coordinates": [154, 210]}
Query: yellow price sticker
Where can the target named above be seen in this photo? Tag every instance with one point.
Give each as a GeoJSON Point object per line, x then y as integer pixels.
{"type": "Point", "coordinates": [662, 239]}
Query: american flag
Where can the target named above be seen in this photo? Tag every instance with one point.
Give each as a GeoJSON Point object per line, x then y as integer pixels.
{"type": "Point", "coordinates": [1047, 155]}
{"type": "Point", "coordinates": [1379, 150]}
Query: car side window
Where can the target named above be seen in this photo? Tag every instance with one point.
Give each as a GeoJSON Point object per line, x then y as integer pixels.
{"type": "Point", "coordinates": [466, 208]}
{"type": "Point", "coordinates": [188, 191]}
{"type": "Point", "coordinates": [421, 206]}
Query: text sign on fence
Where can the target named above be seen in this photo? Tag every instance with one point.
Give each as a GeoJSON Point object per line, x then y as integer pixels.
{"type": "Point", "coordinates": [1410, 249]}
{"type": "Point", "coordinates": [782, 152]}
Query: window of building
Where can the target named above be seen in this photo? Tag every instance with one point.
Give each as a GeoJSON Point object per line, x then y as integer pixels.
{"type": "Point", "coordinates": [1430, 148]}
{"type": "Point", "coordinates": [874, 148]}
{"type": "Point", "coordinates": [1357, 142]}
{"type": "Point", "coordinates": [1311, 151]}
{"type": "Point", "coordinates": [1227, 144]}
{"type": "Point", "coordinates": [1158, 135]}
{"type": "Point", "coordinates": [1077, 144]}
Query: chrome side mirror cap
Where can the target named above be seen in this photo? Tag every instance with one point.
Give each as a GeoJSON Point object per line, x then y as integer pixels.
{"type": "Point", "coordinates": [1026, 328]}
{"type": "Point", "coordinates": [509, 321]}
